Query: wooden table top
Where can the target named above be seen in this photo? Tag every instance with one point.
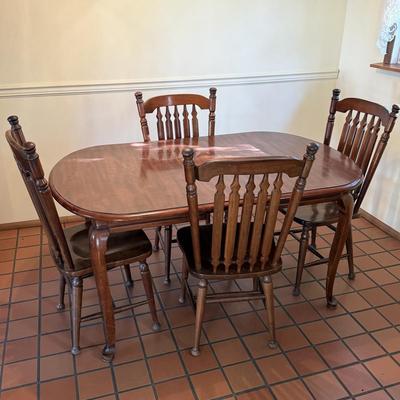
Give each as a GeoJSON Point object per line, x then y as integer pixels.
{"type": "Point", "coordinates": [139, 182]}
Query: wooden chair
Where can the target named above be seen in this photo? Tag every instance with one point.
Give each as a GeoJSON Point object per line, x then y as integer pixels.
{"type": "Point", "coordinates": [69, 247]}
{"type": "Point", "coordinates": [232, 250]}
{"type": "Point", "coordinates": [170, 126]}
{"type": "Point", "coordinates": [361, 142]}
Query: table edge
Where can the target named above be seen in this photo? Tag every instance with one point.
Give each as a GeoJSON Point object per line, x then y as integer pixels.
{"type": "Point", "coordinates": [325, 194]}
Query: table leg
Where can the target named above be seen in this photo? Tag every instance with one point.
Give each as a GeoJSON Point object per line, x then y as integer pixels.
{"type": "Point", "coordinates": [98, 246]}
{"type": "Point", "coordinates": [339, 240]}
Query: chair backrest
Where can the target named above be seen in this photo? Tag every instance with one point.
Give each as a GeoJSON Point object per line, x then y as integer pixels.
{"type": "Point", "coordinates": [29, 165]}
{"type": "Point", "coordinates": [364, 122]}
{"type": "Point", "coordinates": [169, 125]}
{"type": "Point", "coordinates": [250, 244]}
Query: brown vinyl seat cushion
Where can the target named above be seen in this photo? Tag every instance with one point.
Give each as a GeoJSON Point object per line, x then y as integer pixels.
{"type": "Point", "coordinates": [122, 247]}
{"type": "Point", "coordinates": [322, 213]}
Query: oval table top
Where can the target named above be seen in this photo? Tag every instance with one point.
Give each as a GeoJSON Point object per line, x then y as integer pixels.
{"type": "Point", "coordinates": [145, 181]}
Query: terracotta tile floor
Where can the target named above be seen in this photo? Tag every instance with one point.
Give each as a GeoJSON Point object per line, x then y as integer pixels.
{"type": "Point", "coordinates": [350, 352]}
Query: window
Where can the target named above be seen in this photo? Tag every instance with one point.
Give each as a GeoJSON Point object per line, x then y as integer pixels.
{"type": "Point", "coordinates": [389, 37]}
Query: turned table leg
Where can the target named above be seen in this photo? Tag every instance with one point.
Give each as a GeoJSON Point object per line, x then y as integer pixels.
{"type": "Point", "coordinates": [339, 240]}
{"type": "Point", "coordinates": [98, 246]}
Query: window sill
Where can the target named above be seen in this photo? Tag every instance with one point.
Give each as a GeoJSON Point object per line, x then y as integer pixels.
{"type": "Point", "coordinates": [387, 67]}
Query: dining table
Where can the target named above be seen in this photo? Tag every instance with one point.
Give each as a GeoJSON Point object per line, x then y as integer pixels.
{"type": "Point", "coordinates": [118, 187]}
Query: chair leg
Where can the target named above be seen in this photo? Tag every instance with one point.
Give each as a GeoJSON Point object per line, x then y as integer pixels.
{"type": "Point", "coordinates": [76, 310]}
{"type": "Point", "coordinates": [148, 287]}
{"type": "Point", "coordinates": [156, 246]}
{"type": "Point", "coordinates": [304, 239]}
{"type": "Point", "coordinates": [269, 298]}
{"type": "Point", "coordinates": [349, 249]}
{"type": "Point", "coordinates": [184, 278]}
{"type": "Point", "coordinates": [128, 276]}
{"type": "Point", "coordinates": [167, 251]}
{"type": "Point", "coordinates": [61, 303]}
{"type": "Point", "coordinates": [314, 236]}
{"type": "Point", "coordinates": [208, 218]}
{"type": "Point", "coordinates": [200, 305]}
{"type": "Point", "coordinates": [256, 284]}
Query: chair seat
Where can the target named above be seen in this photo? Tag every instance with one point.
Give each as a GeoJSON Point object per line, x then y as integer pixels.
{"type": "Point", "coordinates": [317, 214]}
{"type": "Point", "coordinates": [122, 247]}
{"type": "Point", "coordinates": [184, 238]}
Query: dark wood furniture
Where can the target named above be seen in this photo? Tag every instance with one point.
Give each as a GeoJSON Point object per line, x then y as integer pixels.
{"type": "Point", "coordinates": [386, 67]}
{"type": "Point", "coordinates": [360, 141]}
{"type": "Point", "coordinates": [179, 122]}
{"type": "Point", "coordinates": [69, 247]}
{"type": "Point", "coordinates": [113, 174]}
{"type": "Point", "coordinates": [387, 63]}
{"type": "Point", "coordinates": [229, 249]}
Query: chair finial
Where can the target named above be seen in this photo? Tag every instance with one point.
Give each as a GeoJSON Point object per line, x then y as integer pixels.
{"type": "Point", "coordinates": [335, 94]}
{"type": "Point", "coordinates": [139, 96]}
{"type": "Point", "coordinates": [395, 109]}
{"type": "Point", "coordinates": [13, 120]}
{"type": "Point", "coordinates": [312, 149]}
{"type": "Point", "coordinates": [188, 153]}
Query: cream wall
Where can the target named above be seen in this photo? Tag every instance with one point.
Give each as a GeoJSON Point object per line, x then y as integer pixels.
{"type": "Point", "coordinates": [358, 79]}
{"type": "Point", "coordinates": [69, 69]}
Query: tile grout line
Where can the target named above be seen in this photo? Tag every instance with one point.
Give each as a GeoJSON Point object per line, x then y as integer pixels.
{"type": "Point", "coordinates": [321, 317]}
{"type": "Point", "coordinates": [359, 361]}
{"type": "Point", "coordinates": [179, 351]}
{"type": "Point", "coordinates": [111, 364]}
{"type": "Point", "coordinates": [132, 311]}
{"type": "Point", "coordinates": [240, 338]}
{"type": "Point", "coordinates": [311, 344]}
{"type": "Point", "coordinates": [237, 314]}
{"type": "Point", "coordinates": [283, 353]}
{"type": "Point", "coordinates": [342, 340]}
{"type": "Point", "coordinates": [8, 320]}
{"type": "Point", "coordinates": [39, 322]}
